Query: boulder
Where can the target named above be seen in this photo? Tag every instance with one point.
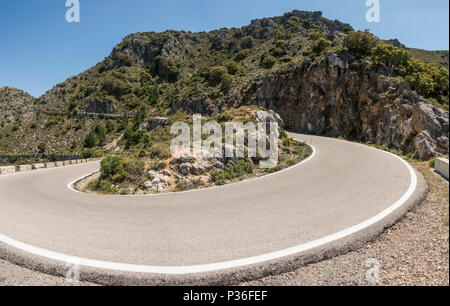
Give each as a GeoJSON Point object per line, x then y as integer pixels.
{"type": "Point", "coordinates": [147, 185]}
{"type": "Point", "coordinates": [166, 172]}
{"type": "Point", "coordinates": [185, 169]}
{"type": "Point", "coordinates": [159, 187]}
{"type": "Point", "coordinates": [152, 174]}
{"type": "Point", "coordinates": [218, 165]}
{"type": "Point", "coordinates": [425, 145]}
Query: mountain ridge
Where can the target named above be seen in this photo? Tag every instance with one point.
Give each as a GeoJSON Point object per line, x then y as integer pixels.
{"type": "Point", "coordinates": [158, 74]}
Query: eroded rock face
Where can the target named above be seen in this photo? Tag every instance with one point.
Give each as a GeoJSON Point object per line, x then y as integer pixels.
{"type": "Point", "coordinates": [99, 105]}
{"type": "Point", "coordinates": [335, 98]}
{"type": "Point", "coordinates": [14, 100]}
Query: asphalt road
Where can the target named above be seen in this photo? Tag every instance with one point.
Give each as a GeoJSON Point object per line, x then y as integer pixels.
{"type": "Point", "coordinates": [338, 190]}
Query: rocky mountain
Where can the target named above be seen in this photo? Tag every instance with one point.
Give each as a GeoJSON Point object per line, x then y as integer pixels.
{"type": "Point", "coordinates": [318, 74]}
{"type": "Point", "coordinates": [14, 100]}
{"type": "Point", "coordinates": [333, 98]}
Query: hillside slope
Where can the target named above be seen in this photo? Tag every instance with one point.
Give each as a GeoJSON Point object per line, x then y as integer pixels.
{"type": "Point", "coordinates": [439, 57]}
{"type": "Point", "coordinates": [321, 76]}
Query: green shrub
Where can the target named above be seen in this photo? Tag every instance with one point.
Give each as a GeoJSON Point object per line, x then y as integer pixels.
{"type": "Point", "coordinates": [100, 131]}
{"type": "Point", "coordinates": [247, 42]}
{"type": "Point", "coordinates": [91, 140]}
{"type": "Point", "coordinates": [112, 169]}
{"type": "Point", "coordinates": [124, 192]}
{"type": "Point", "coordinates": [320, 45]}
{"type": "Point", "coordinates": [134, 138]}
{"type": "Point", "coordinates": [87, 153]}
{"type": "Point", "coordinates": [315, 35]}
{"type": "Point", "coordinates": [347, 29]}
{"type": "Point", "coordinates": [123, 59]}
{"type": "Point", "coordinates": [134, 168]}
{"type": "Point", "coordinates": [243, 54]}
{"type": "Point", "coordinates": [169, 68]}
{"type": "Point", "coordinates": [114, 86]}
{"type": "Point", "coordinates": [268, 61]}
{"type": "Point", "coordinates": [105, 186]}
{"type": "Point", "coordinates": [96, 137]}
{"type": "Point", "coordinates": [429, 80]}
{"type": "Point", "coordinates": [158, 166]}
{"type": "Point", "coordinates": [391, 55]}
{"type": "Point", "coordinates": [360, 43]}
{"type": "Point", "coordinates": [42, 147]}
{"type": "Point", "coordinates": [233, 68]}
{"type": "Point", "coordinates": [286, 59]}
{"type": "Point", "coordinates": [123, 124]}
{"type": "Point", "coordinates": [290, 163]}
{"type": "Point", "coordinates": [277, 52]}
{"type": "Point", "coordinates": [227, 82]}
{"type": "Point", "coordinates": [287, 142]}
{"type": "Point", "coordinates": [216, 74]}
{"type": "Point", "coordinates": [282, 44]}
{"type": "Point", "coordinates": [160, 150]}
{"type": "Point", "coordinates": [433, 163]}
{"type": "Point", "coordinates": [241, 168]}
{"type": "Point", "coordinates": [110, 126]}
{"type": "Point", "coordinates": [181, 186]}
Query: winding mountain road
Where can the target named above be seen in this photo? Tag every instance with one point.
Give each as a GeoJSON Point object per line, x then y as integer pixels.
{"type": "Point", "coordinates": [342, 196]}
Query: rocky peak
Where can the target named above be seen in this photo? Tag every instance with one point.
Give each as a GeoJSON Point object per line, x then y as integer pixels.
{"type": "Point", "coordinates": [14, 100]}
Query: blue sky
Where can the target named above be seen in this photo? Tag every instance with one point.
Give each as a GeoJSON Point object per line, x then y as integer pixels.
{"type": "Point", "coordinates": [39, 49]}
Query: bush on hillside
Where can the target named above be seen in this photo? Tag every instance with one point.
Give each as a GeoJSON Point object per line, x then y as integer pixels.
{"type": "Point", "coordinates": [429, 80]}
{"type": "Point", "coordinates": [360, 43]}
{"type": "Point", "coordinates": [247, 42]}
{"type": "Point", "coordinates": [268, 61]}
{"type": "Point", "coordinates": [320, 45]}
{"type": "Point", "coordinates": [233, 68]}
{"type": "Point", "coordinates": [112, 169]}
{"type": "Point", "coordinates": [243, 54]}
{"type": "Point", "coordinates": [216, 75]}
{"type": "Point", "coordinates": [391, 55]}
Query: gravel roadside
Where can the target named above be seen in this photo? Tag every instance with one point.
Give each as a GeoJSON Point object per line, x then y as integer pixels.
{"type": "Point", "coordinates": [415, 251]}
{"type": "Point", "coordinates": [12, 275]}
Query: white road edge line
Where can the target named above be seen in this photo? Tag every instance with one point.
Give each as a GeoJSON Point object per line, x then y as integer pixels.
{"type": "Point", "coordinates": [180, 270]}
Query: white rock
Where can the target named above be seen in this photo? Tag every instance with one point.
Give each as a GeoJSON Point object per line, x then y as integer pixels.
{"type": "Point", "coordinates": [166, 172]}
{"type": "Point", "coordinates": [152, 174]}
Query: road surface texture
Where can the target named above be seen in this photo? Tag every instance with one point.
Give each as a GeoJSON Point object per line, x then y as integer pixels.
{"type": "Point", "coordinates": [345, 195]}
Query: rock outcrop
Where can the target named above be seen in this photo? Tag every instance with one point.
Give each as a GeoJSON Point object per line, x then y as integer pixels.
{"type": "Point", "coordinates": [14, 100]}
{"type": "Point", "coordinates": [337, 99]}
